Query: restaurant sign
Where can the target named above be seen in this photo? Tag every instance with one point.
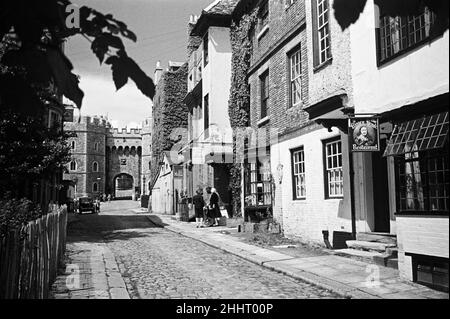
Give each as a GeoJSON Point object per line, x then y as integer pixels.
{"type": "Point", "coordinates": [365, 134]}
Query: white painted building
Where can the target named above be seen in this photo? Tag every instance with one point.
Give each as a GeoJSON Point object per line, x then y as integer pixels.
{"type": "Point", "coordinates": [209, 82]}
{"type": "Point", "coordinates": [402, 75]}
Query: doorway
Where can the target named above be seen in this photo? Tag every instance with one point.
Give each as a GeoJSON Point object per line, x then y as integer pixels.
{"type": "Point", "coordinates": [381, 190]}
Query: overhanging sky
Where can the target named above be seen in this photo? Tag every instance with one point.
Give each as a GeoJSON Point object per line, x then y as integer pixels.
{"type": "Point", "coordinates": [161, 28]}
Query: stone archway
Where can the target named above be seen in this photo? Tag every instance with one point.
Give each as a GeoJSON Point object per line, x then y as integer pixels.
{"type": "Point", "coordinates": [123, 185]}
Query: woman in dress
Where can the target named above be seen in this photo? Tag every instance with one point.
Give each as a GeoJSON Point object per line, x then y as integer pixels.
{"type": "Point", "coordinates": [215, 209]}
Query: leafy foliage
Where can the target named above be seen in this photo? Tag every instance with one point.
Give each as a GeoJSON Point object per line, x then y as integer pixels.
{"type": "Point", "coordinates": [29, 151]}
{"type": "Point", "coordinates": [170, 115]}
{"type": "Point", "coordinates": [15, 213]}
{"type": "Point", "coordinates": [40, 29]}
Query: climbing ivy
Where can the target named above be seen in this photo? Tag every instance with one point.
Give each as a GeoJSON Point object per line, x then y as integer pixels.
{"type": "Point", "coordinates": [170, 115]}
{"type": "Point", "coordinates": [239, 102]}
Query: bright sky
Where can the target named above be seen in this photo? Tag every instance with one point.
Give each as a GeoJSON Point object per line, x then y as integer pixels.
{"type": "Point", "coordinates": [161, 29]}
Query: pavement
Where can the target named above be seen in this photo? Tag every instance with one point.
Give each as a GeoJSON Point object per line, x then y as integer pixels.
{"type": "Point", "coordinates": [91, 273]}
{"type": "Point", "coordinates": [345, 276]}
{"type": "Point", "coordinates": [126, 253]}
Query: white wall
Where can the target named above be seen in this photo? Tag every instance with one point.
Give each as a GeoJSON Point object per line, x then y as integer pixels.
{"type": "Point", "coordinates": [162, 193]}
{"type": "Point", "coordinates": [423, 236]}
{"type": "Point", "coordinates": [412, 77]}
{"type": "Point", "coordinates": [308, 218]}
{"type": "Point", "coordinates": [217, 79]}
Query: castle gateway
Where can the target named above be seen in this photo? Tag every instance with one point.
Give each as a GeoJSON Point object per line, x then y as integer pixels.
{"type": "Point", "coordinates": [105, 160]}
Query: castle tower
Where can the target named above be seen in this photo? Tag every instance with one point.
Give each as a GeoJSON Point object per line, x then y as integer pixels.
{"type": "Point", "coordinates": [147, 131]}
{"type": "Point", "coordinates": [87, 168]}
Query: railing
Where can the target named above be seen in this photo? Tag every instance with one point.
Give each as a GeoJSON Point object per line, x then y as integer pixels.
{"type": "Point", "coordinates": [30, 257]}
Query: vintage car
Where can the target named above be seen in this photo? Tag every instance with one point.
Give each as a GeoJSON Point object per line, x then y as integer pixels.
{"type": "Point", "coordinates": [87, 204]}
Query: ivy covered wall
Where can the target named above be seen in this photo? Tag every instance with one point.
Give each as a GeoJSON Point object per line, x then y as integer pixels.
{"type": "Point", "coordinates": [239, 102]}
{"type": "Point", "coordinates": [170, 114]}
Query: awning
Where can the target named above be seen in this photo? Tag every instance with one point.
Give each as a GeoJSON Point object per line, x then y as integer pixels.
{"type": "Point", "coordinates": [422, 134]}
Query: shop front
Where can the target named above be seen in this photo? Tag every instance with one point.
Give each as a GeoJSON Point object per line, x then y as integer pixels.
{"type": "Point", "coordinates": [419, 149]}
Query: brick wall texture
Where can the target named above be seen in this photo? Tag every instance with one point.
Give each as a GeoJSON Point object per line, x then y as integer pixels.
{"type": "Point", "coordinates": [288, 127]}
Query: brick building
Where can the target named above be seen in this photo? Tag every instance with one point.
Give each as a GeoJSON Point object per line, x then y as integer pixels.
{"type": "Point", "coordinates": [285, 169]}
{"type": "Point", "coordinates": [106, 160]}
{"type": "Point", "coordinates": [308, 78]}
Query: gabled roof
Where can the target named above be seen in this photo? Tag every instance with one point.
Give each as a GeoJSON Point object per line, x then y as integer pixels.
{"type": "Point", "coordinates": [217, 13]}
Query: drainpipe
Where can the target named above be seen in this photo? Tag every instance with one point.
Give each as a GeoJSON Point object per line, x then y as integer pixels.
{"type": "Point", "coordinates": [352, 185]}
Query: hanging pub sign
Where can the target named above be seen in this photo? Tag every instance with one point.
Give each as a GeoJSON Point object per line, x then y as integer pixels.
{"type": "Point", "coordinates": [365, 134]}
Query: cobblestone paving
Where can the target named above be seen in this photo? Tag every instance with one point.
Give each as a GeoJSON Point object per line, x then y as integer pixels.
{"type": "Point", "coordinates": [157, 263]}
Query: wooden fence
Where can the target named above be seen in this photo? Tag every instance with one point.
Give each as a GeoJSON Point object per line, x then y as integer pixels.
{"type": "Point", "coordinates": [30, 257]}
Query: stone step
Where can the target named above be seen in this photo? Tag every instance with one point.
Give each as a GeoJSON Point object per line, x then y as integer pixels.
{"type": "Point", "coordinates": [377, 237]}
{"type": "Point", "coordinates": [378, 258]}
{"type": "Point", "coordinates": [393, 252]}
{"type": "Point", "coordinates": [392, 263]}
{"type": "Point", "coordinates": [369, 245]}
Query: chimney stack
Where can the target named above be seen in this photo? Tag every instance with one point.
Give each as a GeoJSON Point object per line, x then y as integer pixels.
{"type": "Point", "coordinates": [193, 41]}
{"type": "Point", "coordinates": [158, 72]}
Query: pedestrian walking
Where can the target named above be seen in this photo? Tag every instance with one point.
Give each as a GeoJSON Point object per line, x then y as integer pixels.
{"type": "Point", "coordinates": [207, 208]}
{"type": "Point", "coordinates": [109, 198]}
{"type": "Point", "coordinates": [199, 205]}
{"type": "Point", "coordinates": [215, 209]}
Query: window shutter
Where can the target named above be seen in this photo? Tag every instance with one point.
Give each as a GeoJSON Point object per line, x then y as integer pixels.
{"type": "Point", "coordinates": [315, 35]}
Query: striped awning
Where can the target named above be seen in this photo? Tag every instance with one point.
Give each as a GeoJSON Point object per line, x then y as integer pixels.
{"type": "Point", "coordinates": [422, 134]}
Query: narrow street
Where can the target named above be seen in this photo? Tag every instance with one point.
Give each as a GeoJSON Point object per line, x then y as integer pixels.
{"type": "Point", "coordinates": [156, 263]}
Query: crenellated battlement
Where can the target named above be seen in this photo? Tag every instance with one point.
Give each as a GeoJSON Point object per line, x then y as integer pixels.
{"type": "Point", "coordinates": [125, 132]}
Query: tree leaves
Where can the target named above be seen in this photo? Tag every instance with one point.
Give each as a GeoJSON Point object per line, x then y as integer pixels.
{"type": "Point", "coordinates": [66, 81]}
{"type": "Point", "coordinates": [120, 77]}
{"type": "Point", "coordinates": [124, 67]}
{"type": "Point", "coordinates": [347, 12]}
{"type": "Point", "coordinates": [44, 63]}
{"type": "Point", "coordinates": [100, 46]}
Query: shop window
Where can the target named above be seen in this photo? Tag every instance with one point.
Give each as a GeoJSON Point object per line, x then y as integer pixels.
{"type": "Point", "coordinates": [298, 173]}
{"type": "Point", "coordinates": [334, 176]}
{"type": "Point", "coordinates": [421, 152]}
{"type": "Point", "coordinates": [259, 180]}
{"type": "Point", "coordinates": [423, 181]}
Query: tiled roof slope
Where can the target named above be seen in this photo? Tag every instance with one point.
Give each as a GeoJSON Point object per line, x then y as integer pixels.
{"type": "Point", "coordinates": [221, 7]}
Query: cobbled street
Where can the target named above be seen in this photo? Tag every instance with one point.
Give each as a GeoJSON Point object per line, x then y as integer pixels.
{"type": "Point", "coordinates": [157, 263]}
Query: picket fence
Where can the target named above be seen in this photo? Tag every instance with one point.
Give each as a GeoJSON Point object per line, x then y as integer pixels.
{"type": "Point", "coordinates": [30, 257]}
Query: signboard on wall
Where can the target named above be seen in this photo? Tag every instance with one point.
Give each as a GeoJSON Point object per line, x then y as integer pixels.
{"type": "Point", "coordinates": [365, 134]}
